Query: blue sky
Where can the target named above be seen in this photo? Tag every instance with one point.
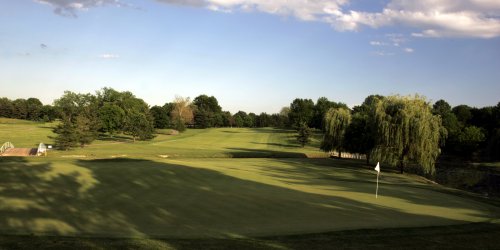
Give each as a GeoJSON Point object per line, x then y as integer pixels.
{"type": "Point", "coordinates": [253, 55]}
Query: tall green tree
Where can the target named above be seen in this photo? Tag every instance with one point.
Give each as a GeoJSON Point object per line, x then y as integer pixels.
{"type": "Point", "coordinates": [304, 134]}
{"type": "Point", "coordinates": [48, 113]}
{"type": "Point", "coordinates": [34, 108]}
{"type": "Point", "coordinates": [449, 122]}
{"type": "Point", "coordinates": [206, 112]}
{"type": "Point", "coordinates": [250, 120]}
{"type": "Point", "coordinates": [281, 119]}
{"type": "Point", "coordinates": [359, 135]}
{"type": "Point", "coordinates": [336, 122]}
{"type": "Point", "coordinates": [6, 108]}
{"type": "Point", "coordinates": [79, 119]}
{"type": "Point", "coordinates": [85, 128]}
{"type": "Point", "coordinates": [160, 115]}
{"type": "Point", "coordinates": [227, 119]}
{"type": "Point", "coordinates": [111, 117]}
{"type": "Point", "coordinates": [301, 111]}
{"type": "Point", "coordinates": [361, 132]}
{"type": "Point", "coordinates": [463, 113]}
{"type": "Point", "coordinates": [407, 132]}
{"type": "Point", "coordinates": [139, 126]}
{"type": "Point", "coordinates": [240, 119]}
{"type": "Point", "coordinates": [20, 109]}
{"type": "Point", "coordinates": [66, 135]}
{"type": "Point", "coordinates": [320, 108]}
{"type": "Point", "coordinates": [264, 120]}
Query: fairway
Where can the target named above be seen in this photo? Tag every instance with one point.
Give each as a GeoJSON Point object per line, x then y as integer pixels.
{"type": "Point", "coordinates": [210, 183]}
{"type": "Point", "coordinates": [24, 134]}
{"type": "Point", "coordinates": [193, 143]}
{"type": "Point", "coordinates": [193, 198]}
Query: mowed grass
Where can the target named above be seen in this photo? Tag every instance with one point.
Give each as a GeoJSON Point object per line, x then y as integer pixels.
{"type": "Point", "coordinates": [194, 143]}
{"type": "Point", "coordinates": [24, 134]}
{"type": "Point", "coordinates": [221, 188]}
{"type": "Point", "coordinates": [217, 198]}
{"type": "Point", "coordinates": [208, 143]}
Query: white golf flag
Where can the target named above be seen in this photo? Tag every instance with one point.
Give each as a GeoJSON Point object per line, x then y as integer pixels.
{"type": "Point", "coordinates": [377, 168]}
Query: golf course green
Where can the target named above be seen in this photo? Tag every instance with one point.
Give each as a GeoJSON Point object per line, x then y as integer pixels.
{"type": "Point", "coordinates": [211, 184]}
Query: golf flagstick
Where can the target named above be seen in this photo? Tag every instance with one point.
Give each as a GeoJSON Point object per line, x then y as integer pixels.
{"type": "Point", "coordinates": [377, 168]}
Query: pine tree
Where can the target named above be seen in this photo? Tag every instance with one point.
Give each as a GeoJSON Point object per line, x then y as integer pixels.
{"type": "Point", "coordinates": [304, 134]}
{"type": "Point", "coordinates": [67, 136]}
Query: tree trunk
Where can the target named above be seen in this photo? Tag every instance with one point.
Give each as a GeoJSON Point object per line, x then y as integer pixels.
{"type": "Point", "coordinates": [401, 167]}
{"type": "Point", "coordinates": [368, 159]}
{"type": "Point", "coordinates": [340, 154]}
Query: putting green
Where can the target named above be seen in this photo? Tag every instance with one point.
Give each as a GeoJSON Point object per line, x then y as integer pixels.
{"type": "Point", "coordinates": [196, 198]}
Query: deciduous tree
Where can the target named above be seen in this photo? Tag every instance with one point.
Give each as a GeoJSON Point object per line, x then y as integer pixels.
{"type": "Point", "coordinates": [139, 126]}
{"type": "Point", "coordinates": [161, 118]}
{"type": "Point", "coordinates": [111, 117]}
{"type": "Point", "coordinates": [301, 110]}
{"type": "Point", "coordinates": [407, 132]}
{"type": "Point", "coordinates": [182, 112]}
{"type": "Point", "coordinates": [336, 122]}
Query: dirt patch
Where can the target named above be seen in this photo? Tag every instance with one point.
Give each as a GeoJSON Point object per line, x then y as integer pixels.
{"type": "Point", "coordinates": [173, 132]}
{"type": "Point", "coordinates": [118, 156]}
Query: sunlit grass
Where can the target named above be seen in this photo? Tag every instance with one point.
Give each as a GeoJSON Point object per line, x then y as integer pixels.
{"type": "Point", "coordinates": [213, 183]}
{"type": "Point", "coordinates": [217, 198]}
{"type": "Point", "coordinates": [24, 134]}
{"type": "Point", "coordinates": [193, 143]}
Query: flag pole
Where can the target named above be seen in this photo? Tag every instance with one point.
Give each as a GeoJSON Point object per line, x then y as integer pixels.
{"type": "Point", "coordinates": [377, 168]}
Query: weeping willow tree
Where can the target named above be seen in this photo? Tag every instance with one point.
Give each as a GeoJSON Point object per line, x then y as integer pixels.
{"type": "Point", "coordinates": [407, 132]}
{"type": "Point", "coordinates": [336, 122]}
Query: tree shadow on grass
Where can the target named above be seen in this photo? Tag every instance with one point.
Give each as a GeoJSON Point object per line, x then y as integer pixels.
{"type": "Point", "coordinates": [142, 198]}
{"type": "Point", "coordinates": [262, 153]}
{"type": "Point", "coordinates": [277, 144]}
{"type": "Point", "coordinates": [114, 138]}
{"type": "Point", "coordinates": [353, 176]}
{"type": "Point", "coordinates": [231, 132]}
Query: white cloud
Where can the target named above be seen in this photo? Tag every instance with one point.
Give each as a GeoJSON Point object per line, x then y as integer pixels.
{"type": "Point", "coordinates": [435, 18]}
{"type": "Point", "coordinates": [378, 43]}
{"type": "Point", "coordinates": [24, 54]}
{"type": "Point", "coordinates": [382, 53]}
{"type": "Point", "coordinates": [304, 10]}
{"type": "Point", "coordinates": [409, 50]}
{"type": "Point", "coordinates": [70, 7]}
{"type": "Point", "coordinates": [428, 18]}
{"type": "Point", "coordinates": [109, 56]}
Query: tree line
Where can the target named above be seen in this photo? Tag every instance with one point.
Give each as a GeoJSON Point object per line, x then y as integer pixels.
{"type": "Point", "coordinates": [27, 109]}
{"type": "Point", "coordinates": [377, 126]}
{"type": "Point", "coordinates": [406, 131]}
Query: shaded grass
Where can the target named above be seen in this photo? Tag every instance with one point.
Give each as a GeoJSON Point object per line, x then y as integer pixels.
{"type": "Point", "coordinates": [217, 203]}
{"type": "Point", "coordinates": [216, 198]}
{"type": "Point", "coordinates": [468, 236]}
